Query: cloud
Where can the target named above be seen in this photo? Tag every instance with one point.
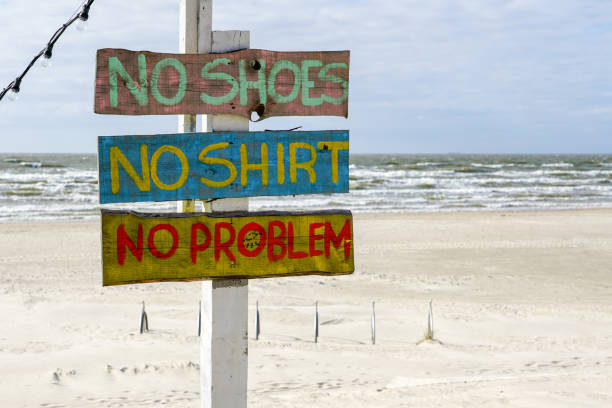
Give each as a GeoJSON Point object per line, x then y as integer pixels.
{"type": "Point", "coordinates": [507, 65]}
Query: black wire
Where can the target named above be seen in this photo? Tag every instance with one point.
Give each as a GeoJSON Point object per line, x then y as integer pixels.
{"type": "Point", "coordinates": [83, 14]}
{"type": "Point", "coordinates": [286, 130]}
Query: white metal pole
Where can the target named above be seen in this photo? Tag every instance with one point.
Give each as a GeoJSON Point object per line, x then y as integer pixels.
{"type": "Point", "coordinates": [224, 337]}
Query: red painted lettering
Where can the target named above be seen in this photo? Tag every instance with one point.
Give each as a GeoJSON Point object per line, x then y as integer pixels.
{"type": "Point", "coordinates": [251, 239]}
{"type": "Point", "coordinates": [123, 240]}
{"type": "Point", "coordinates": [336, 240]}
{"type": "Point", "coordinates": [274, 241]}
{"type": "Point", "coordinates": [195, 247]}
{"type": "Point", "coordinates": [224, 246]}
{"type": "Point", "coordinates": [151, 241]}
{"type": "Point", "coordinates": [314, 238]}
{"type": "Point", "coordinates": [290, 244]}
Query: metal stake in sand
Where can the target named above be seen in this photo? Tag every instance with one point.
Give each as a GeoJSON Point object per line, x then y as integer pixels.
{"type": "Point", "coordinates": [429, 334]}
{"type": "Point", "coordinates": [373, 324]}
{"type": "Point", "coordinates": [430, 330]}
{"type": "Point", "coordinates": [316, 322]}
{"type": "Point", "coordinates": [257, 327]}
{"type": "Point", "coordinates": [200, 318]}
{"type": "Point", "coordinates": [144, 320]}
{"type": "Point", "coordinates": [224, 306]}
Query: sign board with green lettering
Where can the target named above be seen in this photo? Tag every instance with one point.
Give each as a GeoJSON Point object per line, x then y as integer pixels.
{"type": "Point", "coordinates": [239, 83]}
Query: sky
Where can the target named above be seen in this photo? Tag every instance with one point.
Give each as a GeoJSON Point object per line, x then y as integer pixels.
{"type": "Point", "coordinates": [436, 76]}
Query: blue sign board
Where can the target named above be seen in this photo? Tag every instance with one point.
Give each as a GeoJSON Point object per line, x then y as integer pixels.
{"type": "Point", "coordinates": [189, 166]}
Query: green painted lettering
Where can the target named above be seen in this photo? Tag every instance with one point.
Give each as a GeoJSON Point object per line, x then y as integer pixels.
{"type": "Point", "coordinates": [138, 90]}
{"type": "Point", "coordinates": [182, 86]}
{"type": "Point", "coordinates": [260, 84]}
{"type": "Point", "coordinates": [218, 100]}
{"type": "Point", "coordinates": [324, 76]}
{"type": "Point", "coordinates": [279, 66]}
{"type": "Point", "coordinates": [307, 84]}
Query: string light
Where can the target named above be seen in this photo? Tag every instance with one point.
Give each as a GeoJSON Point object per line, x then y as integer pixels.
{"type": "Point", "coordinates": [81, 25]}
{"type": "Point", "coordinates": [46, 60]}
{"type": "Point", "coordinates": [83, 18]}
{"type": "Point", "coordinates": [12, 90]}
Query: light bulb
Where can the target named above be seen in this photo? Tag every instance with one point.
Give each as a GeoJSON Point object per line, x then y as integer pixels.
{"type": "Point", "coordinates": [12, 95]}
{"type": "Point", "coordinates": [81, 25]}
{"type": "Point", "coordinates": [45, 62]}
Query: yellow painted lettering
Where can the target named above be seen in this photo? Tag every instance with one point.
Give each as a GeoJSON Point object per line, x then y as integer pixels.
{"type": "Point", "coordinates": [280, 164]}
{"type": "Point", "coordinates": [216, 160]}
{"type": "Point", "coordinates": [184, 167]}
{"type": "Point", "coordinates": [335, 147]}
{"type": "Point", "coordinates": [307, 165]}
{"type": "Point", "coordinates": [142, 182]}
{"type": "Point", "coordinates": [245, 166]}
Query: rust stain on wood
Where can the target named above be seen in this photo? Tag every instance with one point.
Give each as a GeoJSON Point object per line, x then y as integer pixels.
{"type": "Point", "coordinates": [268, 83]}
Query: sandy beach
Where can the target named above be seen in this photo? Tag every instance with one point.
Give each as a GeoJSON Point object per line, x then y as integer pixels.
{"type": "Point", "coordinates": [522, 306]}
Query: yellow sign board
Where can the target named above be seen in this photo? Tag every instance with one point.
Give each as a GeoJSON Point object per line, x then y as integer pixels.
{"type": "Point", "coordinates": [138, 248]}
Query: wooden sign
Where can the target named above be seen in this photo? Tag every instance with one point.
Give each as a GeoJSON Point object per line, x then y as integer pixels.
{"type": "Point", "coordinates": [266, 82]}
{"type": "Point", "coordinates": [221, 164]}
{"type": "Point", "coordinates": [139, 248]}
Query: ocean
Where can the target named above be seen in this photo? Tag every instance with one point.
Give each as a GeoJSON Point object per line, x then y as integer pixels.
{"type": "Point", "coordinates": [64, 186]}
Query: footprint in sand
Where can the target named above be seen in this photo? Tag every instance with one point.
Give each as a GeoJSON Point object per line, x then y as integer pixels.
{"type": "Point", "coordinates": [59, 374]}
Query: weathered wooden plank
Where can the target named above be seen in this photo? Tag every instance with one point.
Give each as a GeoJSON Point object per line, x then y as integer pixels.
{"type": "Point", "coordinates": [267, 82]}
{"type": "Point", "coordinates": [221, 164]}
{"type": "Point", "coordinates": [139, 248]}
